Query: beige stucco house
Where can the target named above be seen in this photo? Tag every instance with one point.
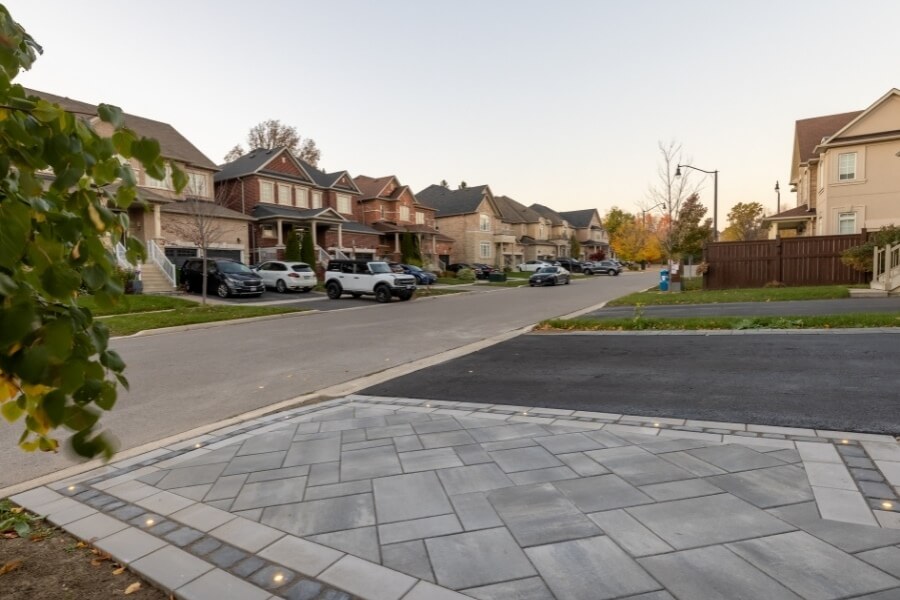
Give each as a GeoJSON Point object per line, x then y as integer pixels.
{"type": "Point", "coordinates": [846, 172]}
{"type": "Point", "coordinates": [588, 230]}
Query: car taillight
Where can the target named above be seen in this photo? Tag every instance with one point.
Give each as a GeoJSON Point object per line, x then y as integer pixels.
{"type": "Point", "coordinates": [293, 275]}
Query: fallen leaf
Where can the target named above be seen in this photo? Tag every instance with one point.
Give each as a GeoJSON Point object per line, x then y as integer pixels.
{"type": "Point", "coordinates": [119, 571]}
{"type": "Point", "coordinates": [133, 588]}
{"type": "Point", "coordinates": [10, 566]}
{"type": "Point", "coordinates": [81, 545]}
{"type": "Point", "coordinates": [16, 510]}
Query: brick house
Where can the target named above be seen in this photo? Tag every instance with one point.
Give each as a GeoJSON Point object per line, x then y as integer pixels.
{"type": "Point", "coordinates": [282, 192]}
{"type": "Point", "coordinates": [471, 217]}
{"type": "Point", "coordinates": [588, 230]}
{"type": "Point", "coordinates": [164, 220]}
{"type": "Point", "coordinates": [530, 229]}
{"type": "Point", "coordinates": [561, 231]}
{"type": "Point", "coordinates": [391, 208]}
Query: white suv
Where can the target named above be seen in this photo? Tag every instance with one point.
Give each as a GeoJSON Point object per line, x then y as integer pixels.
{"type": "Point", "coordinates": [359, 277]}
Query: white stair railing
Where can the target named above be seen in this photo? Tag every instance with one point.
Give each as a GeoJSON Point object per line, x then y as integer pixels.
{"type": "Point", "coordinates": [339, 254]}
{"type": "Point", "coordinates": [122, 256]}
{"type": "Point", "coordinates": [886, 267]}
{"type": "Point", "coordinates": [322, 256]}
{"type": "Point", "coordinates": [158, 257]}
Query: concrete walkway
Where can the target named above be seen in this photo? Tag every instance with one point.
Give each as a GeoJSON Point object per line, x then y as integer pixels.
{"type": "Point", "coordinates": [396, 498]}
{"type": "Point", "coordinates": [793, 308]}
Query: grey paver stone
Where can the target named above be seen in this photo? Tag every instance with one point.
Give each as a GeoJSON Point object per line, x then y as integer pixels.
{"type": "Point", "coordinates": [811, 567]}
{"type": "Point", "coordinates": [171, 567]}
{"type": "Point", "coordinates": [866, 474]}
{"type": "Point", "coordinates": [643, 469]}
{"type": "Point", "coordinates": [129, 544]}
{"type": "Point", "coordinates": [734, 458]}
{"type": "Point", "coordinates": [194, 492]}
{"type": "Point", "coordinates": [389, 431]}
{"type": "Point", "coordinates": [707, 520]}
{"type": "Point", "coordinates": [303, 590]}
{"type": "Point", "coordinates": [407, 443]}
{"type": "Point", "coordinates": [183, 536]}
{"type": "Point", "coordinates": [875, 489]}
{"type": "Point", "coordinates": [225, 488]}
{"type": "Point", "coordinates": [301, 555]}
{"type": "Point", "coordinates": [367, 444]}
{"type": "Point", "coordinates": [425, 460]}
{"type": "Point", "coordinates": [602, 492]}
{"type": "Point", "coordinates": [568, 443]}
{"type": "Point", "coordinates": [246, 534]}
{"type": "Point", "coordinates": [849, 537]}
{"type": "Point", "coordinates": [829, 475]}
{"type": "Point", "coordinates": [473, 478]}
{"type": "Point", "coordinates": [437, 426]}
{"type": "Point", "coordinates": [272, 441]}
{"type": "Point", "coordinates": [810, 451]}
{"type": "Point", "coordinates": [202, 517]}
{"type": "Point", "coordinates": [532, 588]}
{"type": "Point", "coordinates": [626, 531]}
{"type": "Point", "coordinates": [367, 579]}
{"type": "Point", "coordinates": [94, 527]}
{"type": "Point", "coordinates": [361, 542]}
{"type": "Point", "coordinates": [256, 462]}
{"type": "Point", "coordinates": [419, 528]}
{"type": "Point", "coordinates": [477, 558]}
{"type": "Point", "coordinates": [334, 490]}
{"type": "Point", "coordinates": [324, 473]}
{"type": "Point", "coordinates": [164, 503]}
{"type": "Point", "coordinates": [543, 475]}
{"type": "Point", "coordinates": [523, 442]}
{"type": "Point", "coordinates": [676, 490]}
{"type": "Point", "coordinates": [126, 513]}
{"type": "Point", "coordinates": [525, 459]}
{"type": "Point", "coordinates": [408, 557]}
{"type": "Point", "coordinates": [77, 512]}
{"type": "Point", "coordinates": [507, 432]}
{"type": "Point", "coordinates": [219, 584]}
{"type": "Point", "coordinates": [766, 488]}
{"type": "Point", "coordinates": [204, 546]}
{"type": "Point", "coordinates": [286, 473]}
{"type": "Point", "coordinates": [474, 511]}
{"type": "Point", "coordinates": [226, 556]}
{"type": "Point", "coordinates": [886, 559]}
{"type": "Point", "coordinates": [590, 569]}
{"type": "Point", "coordinates": [472, 455]}
{"type": "Point", "coordinates": [393, 495]}
{"type": "Point", "coordinates": [713, 573]}
{"type": "Point", "coordinates": [446, 438]}
{"type": "Point", "coordinates": [270, 493]}
{"type": "Point", "coordinates": [540, 514]}
{"type": "Point", "coordinates": [858, 462]}
{"type": "Point", "coordinates": [843, 505]}
{"type": "Point", "coordinates": [188, 476]}
{"type": "Point", "coordinates": [369, 463]}
{"type": "Point", "coordinates": [254, 514]}
{"type": "Point", "coordinates": [248, 566]}
{"type": "Point", "coordinates": [132, 490]}
{"type": "Point", "coordinates": [322, 516]}
{"type": "Point", "coordinates": [692, 464]}
{"type": "Point", "coordinates": [273, 577]}
{"type": "Point", "coordinates": [582, 464]}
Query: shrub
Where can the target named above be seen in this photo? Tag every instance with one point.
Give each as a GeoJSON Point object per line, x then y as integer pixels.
{"type": "Point", "coordinates": [860, 257]}
{"type": "Point", "coordinates": [466, 275]}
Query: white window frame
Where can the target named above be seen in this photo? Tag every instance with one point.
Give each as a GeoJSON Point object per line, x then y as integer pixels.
{"type": "Point", "coordinates": [485, 249]}
{"type": "Point", "coordinates": [420, 218]}
{"type": "Point", "coordinates": [343, 204]}
{"type": "Point", "coordinates": [198, 184]}
{"type": "Point", "coordinates": [845, 218]}
{"type": "Point", "coordinates": [484, 223]}
{"type": "Point", "coordinates": [316, 199]}
{"type": "Point", "coordinates": [284, 194]}
{"type": "Point", "coordinates": [404, 212]}
{"type": "Point", "coordinates": [267, 192]}
{"type": "Point", "coordinates": [268, 231]}
{"type": "Point", "coordinates": [302, 196]}
{"type": "Point", "coordinates": [847, 163]}
{"type": "Point", "coordinates": [160, 184]}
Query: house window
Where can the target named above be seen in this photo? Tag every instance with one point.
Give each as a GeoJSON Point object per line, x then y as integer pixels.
{"type": "Point", "coordinates": [268, 231]}
{"type": "Point", "coordinates": [317, 199]}
{"type": "Point", "coordinates": [847, 223]}
{"type": "Point", "coordinates": [420, 218]}
{"type": "Point", "coordinates": [284, 194]}
{"type": "Point", "coordinates": [847, 166]}
{"type": "Point", "coordinates": [302, 196]}
{"type": "Point", "coordinates": [197, 185]}
{"type": "Point", "coordinates": [485, 249]}
{"type": "Point", "coordinates": [161, 184]}
{"type": "Point", "coordinates": [404, 213]}
{"type": "Point", "coordinates": [267, 192]}
{"type": "Point", "coordinates": [382, 211]}
{"type": "Point", "coordinates": [485, 224]}
{"type": "Point", "coordinates": [343, 204]}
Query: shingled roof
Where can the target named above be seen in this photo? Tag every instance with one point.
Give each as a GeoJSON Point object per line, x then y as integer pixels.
{"type": "Point", "coordinates": [371, 187]}
{"type": "Point", "coordinates": [172, 144]}
{"type": "Point", "coordinates": [579, 218]}
{"type": "Point", "coordinates": [548, 213]}
{"type": "Point", "coordinates": [811, 132]}
{"type": "Point", "coordinates": [452, 202]}
{"type": "Point", "coordinates": [515, 212]}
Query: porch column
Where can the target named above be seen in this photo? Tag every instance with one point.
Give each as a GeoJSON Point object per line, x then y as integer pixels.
{"type": "Point", "coordinates": [397, 242]}
{"type": "Point", "coordinates": [312, 227]}
{"type": "Point", "coordinates": [157, 222]}
{"type": "Point", "coordinates": [278, 227]}
{"type": "Point", "coordinates": [340, 237]}
{"type": "Point", "coordinates": [434, 245]}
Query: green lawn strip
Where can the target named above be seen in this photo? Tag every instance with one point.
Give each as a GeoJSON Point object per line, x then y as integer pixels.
{"type": "Point", "coordinates": [423, 292]}
{"type": "Point", "coordinates": [134, 303]}
{"type": "Point", "coordinates": [509, 283]}
{"type": "Point", "coordinates": [696, 323]}
{"type": "Point", "coordinates": [775, 294]}
{"type": "Point", "coordinates": [519, 274]}
{"type": "Point", "coordinates": [126, 325]}
{"type": "Point", "coordinates": [452, 281]}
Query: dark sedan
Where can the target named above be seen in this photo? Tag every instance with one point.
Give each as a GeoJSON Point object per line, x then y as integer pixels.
{"type": "Point", "coordinates": [422, 276]}
{"type": "Point", "coordinates": [549, 276]}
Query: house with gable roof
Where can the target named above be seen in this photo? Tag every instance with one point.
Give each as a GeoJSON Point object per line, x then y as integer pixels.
{"type": "Point", "coordinates": [588, 230]}
{"type": "Point", "coordinates": [560, 229]}
{"type": "Point", "coordinates": [845, 171]}
{"type": "Point", "coordinates": [162, 218]}
{"type": "Point", "coordinates": [471, 217]}
{"type": "Point", "coordinates": [530, 228]}
{"type": "Point", "coordinates": [391, 208]}
{"type": "Point", "coordinates": [282, 192]}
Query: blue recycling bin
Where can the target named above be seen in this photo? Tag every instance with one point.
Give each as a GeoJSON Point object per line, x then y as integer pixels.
{"type": "Point", "coordinates": [664, 280]}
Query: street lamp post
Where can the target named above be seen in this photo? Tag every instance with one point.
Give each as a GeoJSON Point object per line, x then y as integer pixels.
{"type": "Point", "coordinates": [715, 175]}
{"type": "Point", "coordinates": [645, 211]}
{"type": "Point", "coordinates": [778, 195]}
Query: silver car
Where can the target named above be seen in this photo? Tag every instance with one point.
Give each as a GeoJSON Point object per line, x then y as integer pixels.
{"type": "Point", "coordinates": [286, 275]}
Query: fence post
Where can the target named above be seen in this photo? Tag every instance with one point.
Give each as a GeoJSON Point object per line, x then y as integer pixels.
{"type": "Point", "coordinates": [778, 269]}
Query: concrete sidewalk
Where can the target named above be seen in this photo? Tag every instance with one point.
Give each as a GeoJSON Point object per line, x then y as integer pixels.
{"type": "Point", "coordinates": [793, 308]}
{"type": "Point", "coordinates": [393, 498]}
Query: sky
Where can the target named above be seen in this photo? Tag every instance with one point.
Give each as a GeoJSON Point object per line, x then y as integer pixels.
{"type": "Point", "coordinates": [562, 103]}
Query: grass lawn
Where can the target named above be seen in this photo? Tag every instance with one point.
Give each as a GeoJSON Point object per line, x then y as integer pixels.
{"type": "Point", "coordinates": [694, 295]}
{"type": "Point", "coordinates": [507, 283]}
{"type": "Point", "coordinates": [134, 303]}
{"type": "Point", "coordinates": [660, 324]}
{"type": "Point", "coordinates": [519, 274]}
{"type": "Point", "coordinates": [128, 324]}
{"type": "Point", "coordinates": [452, 281]}
{"type": "Point", "coordinates": [424, 292]}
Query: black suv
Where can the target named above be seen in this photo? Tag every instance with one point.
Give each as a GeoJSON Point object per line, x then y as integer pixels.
{"type": "Point", "coordinates": [223, 276]}
{"type": "Point", "coordinates": [571, 265]}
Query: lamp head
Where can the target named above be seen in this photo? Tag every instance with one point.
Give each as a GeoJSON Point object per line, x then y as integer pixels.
{"type": "Point", "coordinates": [777, 188]}
{"type": "Point", "coordinates": [678, 171]}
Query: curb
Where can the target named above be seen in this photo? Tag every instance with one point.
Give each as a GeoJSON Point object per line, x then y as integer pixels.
{"type": "Point", "coordinates": [210, 324]}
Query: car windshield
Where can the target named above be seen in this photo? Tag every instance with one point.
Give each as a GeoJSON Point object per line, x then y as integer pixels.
{"type": "Point", "coordinates": [547, 270]}
{"type": "Point", "coordinates": [301, 268]}
{"type": "Point", "coordinates": [413, 268]}
{"type": "Point", "coordinates": [233, 267]}
{"type": "Point", "coordinates": [378, 267]}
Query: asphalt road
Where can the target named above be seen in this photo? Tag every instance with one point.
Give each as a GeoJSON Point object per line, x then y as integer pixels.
{"type": "Point", "coordinates": [793, 308]}
{"type": "Point", "coordinates": [184, 380]}
{"type": "Point", "coordinates": [845, 382]}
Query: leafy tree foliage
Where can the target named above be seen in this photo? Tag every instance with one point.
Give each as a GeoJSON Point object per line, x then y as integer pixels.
{"type": "Point", "coordinates": [745, 222]}
{"type": "Point", "coordinates": [444, 184]}
{"type": "Point", "coordinates": [463, 185]}
{"type": "Point", "coordinates": [307, 251]}
{"type": "Point", "coordinates": [670, 192]}
{"type": "Point", "coordinates": [64, 190]}
{"type": "Point", "coordinates": [292, 246]}
{"type": "Point", "coordinates": [690, 234]}
{"type": "Point", "coordinates": [409, 249]}
{"type": "Point", "coordinates": [272, 133]}
{"type": "Point", "coordinates": [861, 257]}
{"type": "Point", "coordinates": [574, 247]}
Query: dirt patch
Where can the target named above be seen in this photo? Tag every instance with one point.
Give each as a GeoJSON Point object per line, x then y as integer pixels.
{"type": "Point", "coordinates": [58, 567]}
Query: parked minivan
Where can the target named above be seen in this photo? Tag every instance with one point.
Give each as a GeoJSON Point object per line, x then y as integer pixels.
{"type": "Point", "coordinates": [223, 277]}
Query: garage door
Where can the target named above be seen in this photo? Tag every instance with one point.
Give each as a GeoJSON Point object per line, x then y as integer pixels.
{"type": "Point", "coordinates": [178, 255]}
{"type": "Point", "coordinates": [218, 253]}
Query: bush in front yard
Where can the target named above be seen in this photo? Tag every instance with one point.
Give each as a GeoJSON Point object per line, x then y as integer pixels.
{"type": "Point", "coordinates": [466, 275]}
{"type": "Point", "coordinates": [860, 257]}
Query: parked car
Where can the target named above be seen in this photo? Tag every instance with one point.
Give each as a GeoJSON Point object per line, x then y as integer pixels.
{"type": "Point", "coordinates": [603, 267]}
{"type": "Point", "coordinates": [287, 275]}
{"type": "Point", "coordinates": [533, 265]}
{"type": "Point", "coordinates": [572, 265]}
{"type": "Point", "coordinates": [224, 277]}
{"type": "Point", "coordinates": [360, 277]}
{"type": "Point", "coordinates": [484, 271]}
{"type": "Point", "coordinates": [479, 272]}
{"type": "Point", "coordinates": [549, 276]}
{"type": "Point", "coordinates": [422, 276]}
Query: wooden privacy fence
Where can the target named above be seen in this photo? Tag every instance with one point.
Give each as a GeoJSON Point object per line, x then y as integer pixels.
{"type": "Point", "coordinates": [812, 260]}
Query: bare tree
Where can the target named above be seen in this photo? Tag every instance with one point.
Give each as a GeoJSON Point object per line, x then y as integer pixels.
{"type": "Point", "coordinates": [203, 226]}
{"type": "Point", "coordinates": [235, 153]}
{"type": "Point", "coordinates": [309, 152]}
{"type": "Point", "coordinates": [272, 133]}
{"type": "Point", "coordinates": [668, 193]}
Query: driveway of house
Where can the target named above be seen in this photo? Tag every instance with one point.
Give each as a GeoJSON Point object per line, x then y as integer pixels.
{"type": "Point", "coordinates": [794, 308]}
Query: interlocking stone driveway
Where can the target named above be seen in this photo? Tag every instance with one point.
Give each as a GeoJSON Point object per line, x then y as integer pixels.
{"type": "Point", "coordinates": [398, 498]}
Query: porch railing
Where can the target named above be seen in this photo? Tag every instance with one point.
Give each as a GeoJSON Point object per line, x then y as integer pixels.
{"type": "Point", "coordinates": [322, 256]}
{"type": "Point", "coordinates": [122, 256]}
{"type": "Point", "coordinates": [158, 257]}
{"type": "Point", "coordinates": [886, 268]}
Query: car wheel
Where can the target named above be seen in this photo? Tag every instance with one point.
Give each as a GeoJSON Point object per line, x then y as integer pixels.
{"type": "Point", "coordinates": [612, 273]}
{"type": "Point", "coordinates": [333, 289]}
{"type": "Point", "coordinates": [383, 294]}
{"type": "Point", "coordinates": [404, 296]}
{"type": "Point", "coordinates": [356, 295]}
{"type": "Point", "coordinates": [568, 280]}
{"type": "Point", "coordinates": [554, 281]}
{"type": "Point", "coordinates": [279, 285]}
{"type": "Point", "coordinates": [186, 286]}
{"type": "Point", "coordinates": [617, 273]}
{"type": "Point", "coordinates": [222, 290]}
{"type": "Point", "coordinates": [530, 284]}
{"type": "Point", "coordinates": [588, 272]}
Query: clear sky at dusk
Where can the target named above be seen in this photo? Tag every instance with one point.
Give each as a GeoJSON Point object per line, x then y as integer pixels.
{"type": "Point", "coordinates": [560, 103]}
